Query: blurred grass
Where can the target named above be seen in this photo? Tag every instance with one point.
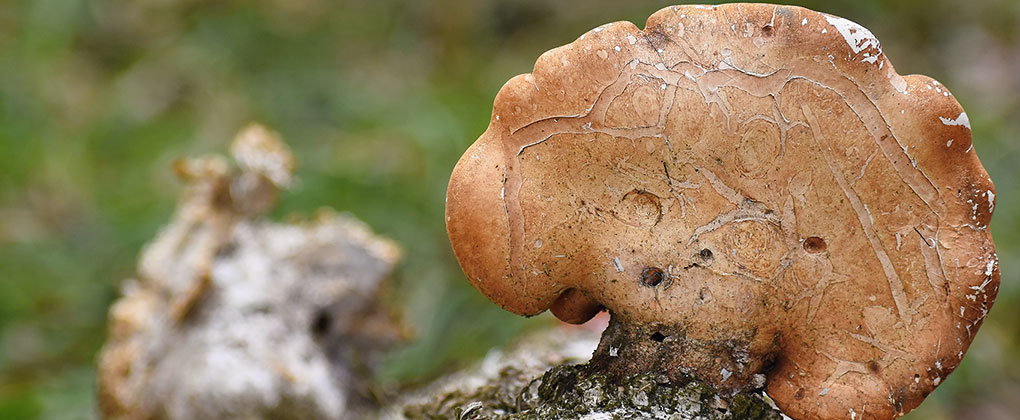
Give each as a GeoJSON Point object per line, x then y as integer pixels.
{"type": "Point", "coordinates": [378, 99]}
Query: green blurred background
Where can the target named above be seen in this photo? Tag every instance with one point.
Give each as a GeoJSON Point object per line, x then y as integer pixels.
{"type": "Point", "coordinates": [379, 99]}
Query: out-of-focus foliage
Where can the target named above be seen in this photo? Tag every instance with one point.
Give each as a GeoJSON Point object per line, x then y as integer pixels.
{"type": "Point", "coordinates": [379, 99]}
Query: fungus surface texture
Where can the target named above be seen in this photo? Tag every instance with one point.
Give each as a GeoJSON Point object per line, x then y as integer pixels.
{"type": "Point", "coordinates": [750, 190]}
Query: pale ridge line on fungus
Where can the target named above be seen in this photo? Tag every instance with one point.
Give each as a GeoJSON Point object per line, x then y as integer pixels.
{"type": "Point", "coordinates": [895, 284]}
{"type": "Point", "coordinates": [772, 87]}
{"type": "Point", "coordinates": [514, 178]}
{"type": "Point", "coordinates": [931, 202]}
{"type": "Point", "coordinates": [720, 187]}
{"type": "Point", "coordinates": [907, 171]}
{"type": "Point", "coordinates": [890, 155]}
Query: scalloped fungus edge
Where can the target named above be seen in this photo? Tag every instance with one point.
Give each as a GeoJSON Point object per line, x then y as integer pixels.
{"type": "Point", "coordinates": [750, 174]}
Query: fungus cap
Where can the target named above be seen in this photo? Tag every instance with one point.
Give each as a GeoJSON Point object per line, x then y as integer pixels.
{"type": "Point", "coordinates": [755, 173]}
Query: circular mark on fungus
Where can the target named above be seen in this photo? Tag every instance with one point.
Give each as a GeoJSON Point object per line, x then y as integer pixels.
{"type": "Point", "coordinates": [652, 276]}
{"type": "Point", "coordinates": [753, 244]}
{"type": "Point", "coordinates": [639, 208]}
{"type": "Point", "coordinates": [814, 245]}
{"type": "Point", "coordinates": [658, 337]}
{"type": "Point", "coordinates": [799, 395]}
{"type": "Point", "coordinates": [705, 254]}
{"type": "Point", "coordinates": [758, 149]}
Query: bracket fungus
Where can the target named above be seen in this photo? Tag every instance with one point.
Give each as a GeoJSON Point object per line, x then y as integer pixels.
{"type": "Point", "coordinates": [754, 194]}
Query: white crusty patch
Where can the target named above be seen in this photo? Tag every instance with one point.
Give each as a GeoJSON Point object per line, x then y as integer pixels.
{"type": "Point", "coordinates": [991, 200]}
{"type": "Point", "coordinates": [960, 120]}
{"type": "Point", "coordinates": [617, 264]}
{"type": "Point", "coordinates": [990, 267]}
{"type": "Point", "coordinates": [858, 37]}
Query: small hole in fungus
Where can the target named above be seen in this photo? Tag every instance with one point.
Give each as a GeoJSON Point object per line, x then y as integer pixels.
{"type": "Point", "coordinates": [658, 337]}
{"type": "Point", "coordinates": [766, 30]}
{"type": "Point", "coordinates": [814, 245]}
{"type": "Point", "coordinates": [705, 253]}
{"type": "Point", "coordinates": [652, 276]}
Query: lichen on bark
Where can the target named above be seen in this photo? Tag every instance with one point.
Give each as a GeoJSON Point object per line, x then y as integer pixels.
{"type": "Point", "coordinates": [512, 389]}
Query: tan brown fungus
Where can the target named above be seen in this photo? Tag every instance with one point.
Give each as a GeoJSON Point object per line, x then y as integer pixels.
{"type": "Point", "coordinates": [753, 192]}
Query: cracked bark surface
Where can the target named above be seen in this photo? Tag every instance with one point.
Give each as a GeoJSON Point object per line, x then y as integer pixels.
{"type": "Point", "coordinates": [543, 377]}
{"type": "Point", "coordinates": [810, 213]}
